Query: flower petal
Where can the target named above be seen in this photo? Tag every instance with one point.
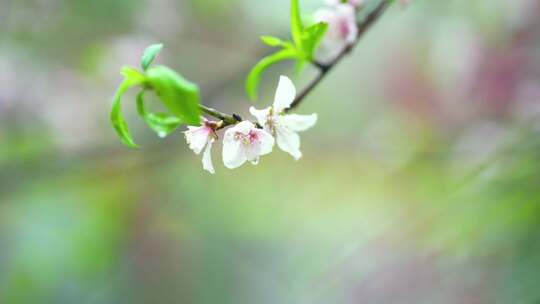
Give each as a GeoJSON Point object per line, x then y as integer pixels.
{"type": "Point", "coordinates": [342, 28]}
{"type": "Point", "coordinates": [260, 115]}
{"type": "Point", "coordinates": [253, 151]}
{"type": "Point", "coordinates": [266, 141]}
{"type": "Point", "coordinates": [288, 141]}
{"type": "Point", "coordinates": [297, 123]}
{"type": "Point", "coordinates": [285, 94]}
{"type": "Point", "coordinates": [233, 153]}
{"type": "Point", "coordinates": [347, 14]}
{"type": "Point", "coordinates": [197, 137]}
{"type": "Point", "coordinates": [324, 15]}
{"type": "Point", "coordinates": [243, 127]}
{"type": "Point", "coordinates": [207, 157]}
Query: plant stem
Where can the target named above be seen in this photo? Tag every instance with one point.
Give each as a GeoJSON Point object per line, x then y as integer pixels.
{"type": "Point", "coordinates": [324, 69]}
{"type": "Point", "coordinates": [226, 118]}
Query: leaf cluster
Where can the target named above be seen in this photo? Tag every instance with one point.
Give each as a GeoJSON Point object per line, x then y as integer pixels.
{"type": "Point", "coordinates": [180, 98]}
{"type": "Point", "coordinates": [302, 48]}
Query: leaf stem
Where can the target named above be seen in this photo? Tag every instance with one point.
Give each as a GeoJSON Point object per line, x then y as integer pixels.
{"type": "Point", "coordinates": [324, 68]}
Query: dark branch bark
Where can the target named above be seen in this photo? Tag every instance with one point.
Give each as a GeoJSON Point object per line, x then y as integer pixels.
{"type": "Point", "coordinates": [226, 118]}
{"type": "Point", "coordinates": [324, 69]}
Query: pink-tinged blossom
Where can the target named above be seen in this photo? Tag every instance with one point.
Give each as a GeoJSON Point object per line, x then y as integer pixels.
{"type": "Point", "coordinates": [342, 27]}
{"type": "Point", "coordinates": [244, 142]}
{"type": "Point", "coordinates": [285, 128]}
{"type": "Point", "coordinates": [355, 3]}
{"type": "Point", "coordinates": [200, 138]}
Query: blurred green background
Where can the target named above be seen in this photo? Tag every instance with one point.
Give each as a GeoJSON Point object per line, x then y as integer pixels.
{"type": "Point", "coordinates": [419, 184]}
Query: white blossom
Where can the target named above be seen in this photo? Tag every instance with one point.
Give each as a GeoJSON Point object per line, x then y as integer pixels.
{"type": "Point", "coordinates": [244, 142]}
{"type": "Point", "coordinates": [284, 127]}
{"type": "Point", "coordinates": [342, 27]}
{"type": "Point", "coordinates": [200, 138]}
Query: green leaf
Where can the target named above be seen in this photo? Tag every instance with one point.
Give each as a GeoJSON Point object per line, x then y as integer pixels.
{"type": "Point", "coordinates": [297, 27]}
{"type": "Point", "coordinates": [271, 41]}
{"type": "Point", "coordinates": [180, 96]}
{"type": "Point", "coordinates": [162, 123]}
{"type": "Point", "coordinates": [299, 65]}
{"type": "Point", "coordinates": [275, 42]}
{"type": "Point", "coordinates": [312, 37]}
{"type": "Point", "coordinates": [254, 77]}
{"type": "Point", "coordinates": [150, 54]}
{"type": "Point", "coordinates": [117, 120]}
{"type": "Point", "coordinates": [131, 75]}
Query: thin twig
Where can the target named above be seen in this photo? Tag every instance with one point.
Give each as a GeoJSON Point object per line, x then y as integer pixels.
{"type": "Point", "coordinates": [324, 69]}
{"type": "Point", "coordinates": [226, 118]}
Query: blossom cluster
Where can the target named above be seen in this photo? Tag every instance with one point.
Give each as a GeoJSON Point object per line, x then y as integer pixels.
{"type": "Point", "coordinates": [340, 15]}
{"type": "Point", "coordinates": [336, 30]}
{"type": "Point", "coordinates": [342, 26]}
{"type": "Point", "coordinates": [248, 141]}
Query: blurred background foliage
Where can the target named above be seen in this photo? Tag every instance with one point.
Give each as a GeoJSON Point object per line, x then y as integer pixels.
{"type": "Point", "coordinates": [420, 183]}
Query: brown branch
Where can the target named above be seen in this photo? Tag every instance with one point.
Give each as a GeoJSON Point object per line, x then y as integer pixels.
{"type": "Point", "coordinates": [324, 69]}
{"type": "Point", "coordinates": [226, 118]}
